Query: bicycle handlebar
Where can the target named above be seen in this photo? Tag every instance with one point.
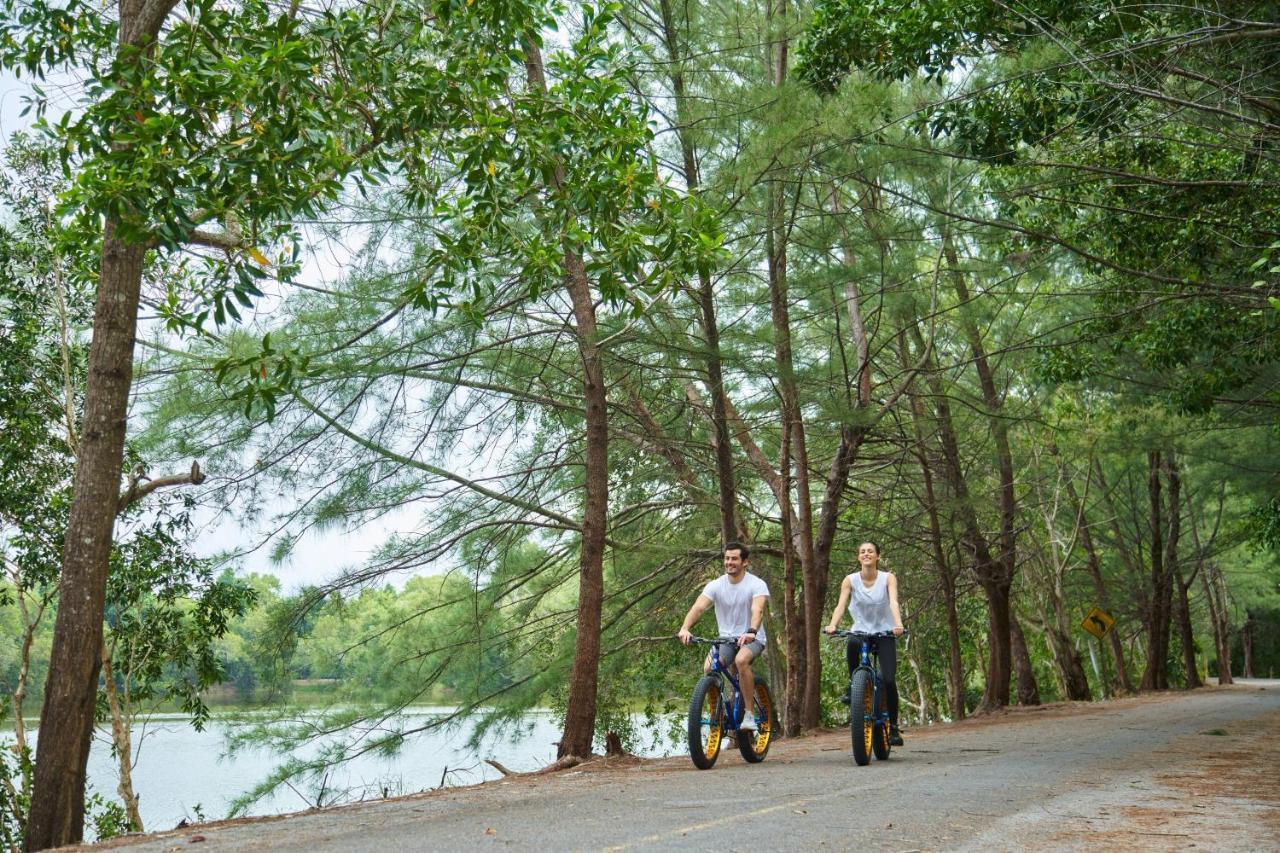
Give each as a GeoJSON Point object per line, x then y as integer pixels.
{"type": "Point", "coordinates": [713, 641]}
{"type": "Point", "coordinates": [839, 634]}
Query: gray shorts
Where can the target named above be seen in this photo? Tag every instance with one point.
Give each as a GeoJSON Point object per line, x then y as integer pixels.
{"type": "Point", "coordinates": [729, 651]}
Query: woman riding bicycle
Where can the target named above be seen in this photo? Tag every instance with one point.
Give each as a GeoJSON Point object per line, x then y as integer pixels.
{"type": "Point", "coordinates": [872, 598]}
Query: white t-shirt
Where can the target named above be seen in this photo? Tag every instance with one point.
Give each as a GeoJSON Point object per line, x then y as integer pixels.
{"type": "Point", "coordinates": [733, 603]}
{"type": "Point", "coordinates": [870, 608]}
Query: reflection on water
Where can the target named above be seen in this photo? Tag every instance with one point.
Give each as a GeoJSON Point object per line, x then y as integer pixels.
{"type": "Point", "coordinates": [181, 773]}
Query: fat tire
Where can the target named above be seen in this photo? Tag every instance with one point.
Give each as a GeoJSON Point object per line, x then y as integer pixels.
{"type": "Point", "coordinates": [755, 747]}
{"type": "Point", "coordinates": [707, 688]}
{"type": "Point", "coordinates": [880, 738]}
{"type": "Point", "coordinates": [861, 689]}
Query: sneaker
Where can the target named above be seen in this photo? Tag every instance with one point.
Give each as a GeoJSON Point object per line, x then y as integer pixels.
{"type": "Point", "coordinates": [748, 724]}
{"type": "Point", "coordinates": [895, 736]}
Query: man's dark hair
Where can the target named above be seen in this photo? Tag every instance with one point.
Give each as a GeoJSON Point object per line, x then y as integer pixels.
{"type": "Point", "coordinates": [738, 546]}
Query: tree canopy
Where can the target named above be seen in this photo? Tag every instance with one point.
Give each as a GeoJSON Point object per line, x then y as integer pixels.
{"type": "Point", "coordinates": [558, 299]}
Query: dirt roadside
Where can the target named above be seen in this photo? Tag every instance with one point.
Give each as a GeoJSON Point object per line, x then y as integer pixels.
{"type": "Point", "coordinates": [1226, 788]}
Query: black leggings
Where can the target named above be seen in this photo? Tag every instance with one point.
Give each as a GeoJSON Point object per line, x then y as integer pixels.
{"type": "Point", "coordinates": [888, 649]}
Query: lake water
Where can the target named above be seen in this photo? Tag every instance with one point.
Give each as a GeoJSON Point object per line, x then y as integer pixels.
{"type": "Point", "coordinates": [181, 773]}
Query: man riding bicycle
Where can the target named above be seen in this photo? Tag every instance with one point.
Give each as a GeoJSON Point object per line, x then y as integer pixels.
{"type": "Point", "coordinates": [739, 598]}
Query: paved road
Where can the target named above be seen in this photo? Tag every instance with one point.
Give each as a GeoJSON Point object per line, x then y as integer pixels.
{"type": "Point", "coordinates": [1172, 771]}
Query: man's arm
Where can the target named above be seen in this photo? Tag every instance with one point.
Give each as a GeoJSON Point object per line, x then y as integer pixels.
{"type": "Point", "coordinates": [757, 619]}
{"type": "Point", "coordinates": [699, 607]}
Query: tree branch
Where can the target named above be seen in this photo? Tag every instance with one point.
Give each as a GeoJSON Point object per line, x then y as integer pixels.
{"type": "Point", "coordinates": [510, 500]}
{"type": "Point", "coordinates": [138, 489]}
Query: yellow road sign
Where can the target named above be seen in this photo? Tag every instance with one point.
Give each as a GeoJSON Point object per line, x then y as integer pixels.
{"type": "Point", "coordinates": [1098, 622]}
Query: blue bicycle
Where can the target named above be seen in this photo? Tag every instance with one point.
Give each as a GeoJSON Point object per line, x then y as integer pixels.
{"type": "Point", "coordinates": [868, 700]}
{"type": "Point", "coordinates": [715, 711]}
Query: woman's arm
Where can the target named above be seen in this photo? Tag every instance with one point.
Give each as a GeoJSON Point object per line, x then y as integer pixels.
{"type": "Point", "coordinates": [893, 605]}
{"type": "Point", "coordinates": [840, 606]}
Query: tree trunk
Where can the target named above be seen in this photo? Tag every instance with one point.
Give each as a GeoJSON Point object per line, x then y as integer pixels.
{"type": "Point", "coordinates": [1173, 568]}
{"type": "Point", "coordinates": [30, 624]}
{"type": "Point", "coordinates": [955, 662]}
{"type": "Point", "coordinates": [1246, 645]}
{"type": "Point", "coordinates": [1129, 557]}
{"type": "Point", "coordinates": [1172, 564]}
{"type": "Point", "coordinates": [715, 385]}
{"type": "Point", "coordinates": [1206, 568]}
{"type": "Point", "coordinates": [776, 237]}
{"type": "Point", "coordinates": [1218, 616]}
{"type": "Point", "coordinates": [1066, 659]}
{"type": "Point", "coordinates": [1055, 625]}
{"type": "Point", "coordinates": [810, 602]}
{"type": "Point", "coordinates": [1085, 531]}
{"type": "Point", "coordinates": [999, 666]}
{"type": "Point", "coordinates": [1154, 676]}
{"type": "Point", "coordinates": [998, 669]}
{"type": "Point", "coordinates": [1185, 631]}
{"type": "Point", "coordinates": [66, 723]}
{"type": "Point", "coordinates": [1070, 667]}
{"type": "Point", "coordinates": [1028, 690]}
{"type": "Point", "coordinates": [994, 575]}
{"type": "Point", "coordinates": [794, 620]}
{"type": "Point", "coordinates": [580, 714]}
{"type": "Point", "coordinates": [922, 689]}
{"type": "Point", "coordinates": [706, 298]}
{"type": "Point", "coordinates": [797, 532]}
{"type": "Point", "coordinates": [122, 741]}
{"type": "Point", "coordinates": [955, 670]}
{"type": "Point", "coordinates": [1129, 549]}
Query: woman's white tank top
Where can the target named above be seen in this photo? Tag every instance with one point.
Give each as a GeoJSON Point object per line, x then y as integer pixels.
{"type": "Point", "coordinates": [870, 607]}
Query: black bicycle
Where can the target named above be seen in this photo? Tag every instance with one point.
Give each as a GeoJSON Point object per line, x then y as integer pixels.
{"type": "Point", "coordinates": [717, 710]}
{"type": "Point", "coordinates": [868, 700]}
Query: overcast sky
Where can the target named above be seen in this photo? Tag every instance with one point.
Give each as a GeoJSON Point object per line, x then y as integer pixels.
{"type": "Point", "coordinates": [318, 556]}
{"type": "Point", "coordinates": [10, 104]}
